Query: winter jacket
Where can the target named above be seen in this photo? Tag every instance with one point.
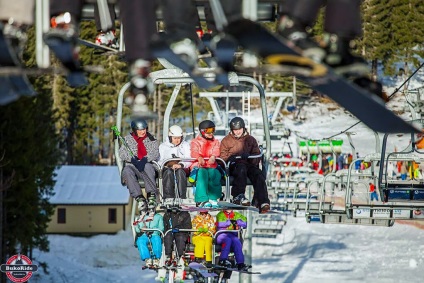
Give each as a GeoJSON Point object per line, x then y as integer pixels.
{"type": "Point", "coordinates": [203, 220]}
{"type": "Point", "coordinates": [177, 220]}
{"type": "Point", "coordinates": [231, 145]}
{"type": "Point", "coordinates": [167, 149]}
{"type": "Point", "coordinates": [223, 220]}
{"type": "Point", "coordinates": [205, 148]}
{"type": "Point", "coordinates": [156, 223]}
{"type": "Point", "coordinates": [151, 144]}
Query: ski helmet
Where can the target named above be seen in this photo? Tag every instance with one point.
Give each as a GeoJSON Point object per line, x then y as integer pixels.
{"type": "Point", "coordinates": [237, 123]}
{"type": "Point", "coordinates": [206, 127]}
{"type": "Point", "coordinates": [138, 124]}
{"type": "Point", "coordinates": [175, 131]}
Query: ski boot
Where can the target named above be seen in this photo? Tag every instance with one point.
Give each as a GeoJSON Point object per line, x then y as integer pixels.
{"type": "Point", "coordinates": [264, 208]}
{"type": "Point", "coordinates": [155, 263]}
{"type": "Point", "coordinates": [148, 262]}
{"type": "Point", "coordinates": [339, 57]}
{"type": "Point", "coordinates": [225, 263]}
{"type": "Point", "coordinates": [141, 87]}
{"type": "Point", "coordinates": [294, 31]}
{"type": "Point", "coordinates": [62, 40]}
{"type": "Point", "coordinates": [241, 200]}
{"type": "Point", "coordinates": [243, 267]}
{"type": "Point", "coordinates": [142, 204]}
{"type": "Point", "coordinates": [151, 207]}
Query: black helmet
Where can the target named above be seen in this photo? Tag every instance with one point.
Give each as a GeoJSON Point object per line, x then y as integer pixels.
{"type": "Point", "coordinates": [206, 124]}
{"type": "Point", "coordinates": [237, 123]}
{"type": "Point", "coordinates": [138, 124]}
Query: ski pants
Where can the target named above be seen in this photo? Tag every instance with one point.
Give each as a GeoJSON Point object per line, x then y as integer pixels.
{"type": "Point", "coordinates": [241, 171]}
{"type": "Point", "coordinates": [169, 183]}
{"type": "Point", "coordinates": [142, 245]}
{"type": "Point", "coordinates": [202, 246]}
{"type": "Point", "coordinates": [373, 196]}
{"type": "Point", "coordinates": [230, 242]}
{"type": "Point", "coordinates": [208, 185]}
{"type": "Point", "coordinates": [131, 175]}
{"type": "Point", "coordinates": [342, 17]}
{"type": "Point", "coordinates": [180, 241]}
{"type": "Point", "coordinates": [139, 21]}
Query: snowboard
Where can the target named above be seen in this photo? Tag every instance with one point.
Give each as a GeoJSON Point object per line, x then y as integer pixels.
{"type": "Point", "coordinates": [63, 47]}
{"type": "Point", "coordinates": [161, 49]}
{"type": "Point", "coordinates": [367, 107]}
{"type": "Point", "coordinates": [195, 208]}
{"type": "Point", "coordinates": [229, 205]}
{"type": "Point", "coordinates": [8, 58]}
{"type": "Point", "coordinates": [201, 269]}
{"type": "Point", "coordinates": [219, 267]}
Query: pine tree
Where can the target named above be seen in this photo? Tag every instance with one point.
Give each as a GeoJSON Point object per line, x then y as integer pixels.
{"type": "Point", "coordinates": [28, 144]}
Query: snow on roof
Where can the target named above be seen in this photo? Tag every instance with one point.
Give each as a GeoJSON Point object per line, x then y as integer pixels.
{"type": "Point", "coordinates": [89, 185]}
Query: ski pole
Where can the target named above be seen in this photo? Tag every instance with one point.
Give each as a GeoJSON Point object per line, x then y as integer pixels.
{"type": "Point", "coordinates": [118, 134]}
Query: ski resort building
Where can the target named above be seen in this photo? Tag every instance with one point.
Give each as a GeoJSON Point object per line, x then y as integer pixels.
{"type": "Point", "coordinates": [89, 200]}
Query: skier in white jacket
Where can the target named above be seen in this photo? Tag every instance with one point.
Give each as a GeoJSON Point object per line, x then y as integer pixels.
{"type": "Point", "coordinates": [175, 172]}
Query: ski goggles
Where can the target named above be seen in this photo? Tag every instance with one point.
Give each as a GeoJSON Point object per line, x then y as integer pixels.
{"type": "Point", "coordinates": [209, 130]}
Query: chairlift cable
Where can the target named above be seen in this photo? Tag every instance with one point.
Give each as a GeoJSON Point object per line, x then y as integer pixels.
{"type": "Point", "coordinates": [394, 92]}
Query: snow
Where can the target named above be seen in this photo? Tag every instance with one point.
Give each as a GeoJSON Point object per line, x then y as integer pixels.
{"type": "Point", "coordinates": [302, 253]}
{"type": "Point", "coordinates": [88, 185]}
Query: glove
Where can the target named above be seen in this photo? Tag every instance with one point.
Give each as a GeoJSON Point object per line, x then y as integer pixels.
{"type": "Point", "coordinates": [241, 223]}
{"type": "Point", "coordinates": [232, 159]}
{"type": "Point", "coordinates": [139, 163]}
{"type": "Point", "coordinates": [233, 222]}
{"type": "Point", "coordinates": [175, 230]}
{"type": "Point", "coordinates": [203, 230]}
{"type": "Point", "coordinates": [245, 156]}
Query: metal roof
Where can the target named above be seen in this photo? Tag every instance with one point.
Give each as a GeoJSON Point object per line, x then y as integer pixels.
{"type": "Point", "coordinates": [89, 185]}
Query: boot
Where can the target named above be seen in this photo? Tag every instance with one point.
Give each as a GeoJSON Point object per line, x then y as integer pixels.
{"type": "Point", "coordinates": [142, 204]}
{"type": "Point", "coordinates": [295, 32]}
{"type": "Point", "coordinates": [243, 267]}
{"type": "Point", "coordinates": [141, 87]}
{"type": "Point", "coordinates": [152, 201]}
{"type": "Point", "coordinates": [340, 58]}
{"type": "Point", "coordinates": [225, 263]}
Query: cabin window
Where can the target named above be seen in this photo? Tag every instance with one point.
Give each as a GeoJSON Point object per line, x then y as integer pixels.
{"type": "Point", "coordinates": [61, 215]}
{"type": "Point", "coordinates": [112, 215]}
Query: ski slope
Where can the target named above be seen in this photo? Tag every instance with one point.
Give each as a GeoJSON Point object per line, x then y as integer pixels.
{"type": "Point", "coordinates": [302, 253]}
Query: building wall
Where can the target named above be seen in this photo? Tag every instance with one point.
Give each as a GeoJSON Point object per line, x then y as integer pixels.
{"type": "Point", "coordinates": [91, 219]}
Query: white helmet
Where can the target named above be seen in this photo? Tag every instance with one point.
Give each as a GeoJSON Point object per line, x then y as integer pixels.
{"type": "Point", "coordinates": [175, 131]}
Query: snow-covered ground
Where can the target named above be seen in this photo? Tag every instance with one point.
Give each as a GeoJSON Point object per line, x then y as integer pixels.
{"type": "Point", "coordinates": [302, 253]}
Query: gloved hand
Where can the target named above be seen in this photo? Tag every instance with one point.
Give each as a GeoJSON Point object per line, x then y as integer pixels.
{"type": "Point", "coordinates": [241, 223]}
{"type": "Point", "coordinates": [245, 156]}
{"type": "Point", "coordinates": [202, 230]}
{"type": "Point", "coordinates": [175, 230]}
{"type": "Point", "coordinates": [232, 159]}
{"type": "Point", "coordinates": [139, 163]}
{"type": "Point", "coordinates": [226, 223]}
{"type": "Point", "coordinates": [233, 222]}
